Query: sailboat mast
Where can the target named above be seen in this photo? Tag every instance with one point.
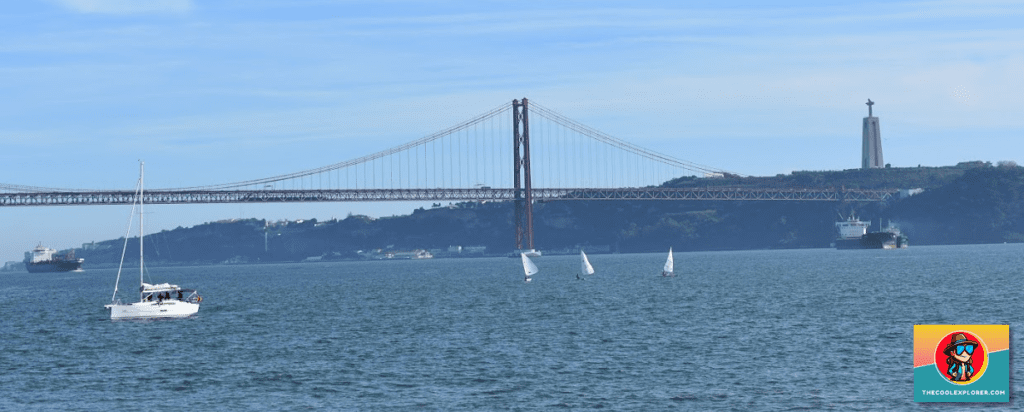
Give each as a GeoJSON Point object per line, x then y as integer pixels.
{"type": "Point", "coordinates": [142, 174]}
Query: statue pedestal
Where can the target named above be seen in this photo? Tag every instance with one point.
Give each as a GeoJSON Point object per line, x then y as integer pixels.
{"type": "Point", "coordinates": [871, 153]}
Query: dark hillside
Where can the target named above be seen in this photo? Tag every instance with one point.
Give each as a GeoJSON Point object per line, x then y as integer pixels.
{"type": "Point", "coordinates": [985, 205]}
{"type": "Point", "coordinates": [886, 178]}
{"type": "Point", "coordinates": [969, 203]}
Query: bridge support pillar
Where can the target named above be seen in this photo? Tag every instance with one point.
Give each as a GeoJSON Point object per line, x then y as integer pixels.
{"type": "Point", "coordinates": [521, 174]}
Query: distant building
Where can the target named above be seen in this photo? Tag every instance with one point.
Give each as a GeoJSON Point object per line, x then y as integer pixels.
{"type": "Point", "coordinates": [905, 193]}
{"type": "Point", "coordinates": [413, 254]}
{"type": "Point", "coordinates": [13, 266]}
{"type": "Point", "coordinates": [596, 248]}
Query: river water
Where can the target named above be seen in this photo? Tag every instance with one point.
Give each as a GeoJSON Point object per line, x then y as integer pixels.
{"type": "Point", "coordinates": [813, 329]}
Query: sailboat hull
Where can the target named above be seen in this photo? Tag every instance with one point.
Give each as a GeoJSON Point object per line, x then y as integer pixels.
{"type": "Point", "coordinates": [153, 310]}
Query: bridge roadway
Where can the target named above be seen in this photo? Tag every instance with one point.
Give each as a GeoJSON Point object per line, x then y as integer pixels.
{"type": "Point", "coordinates": [167, 197]}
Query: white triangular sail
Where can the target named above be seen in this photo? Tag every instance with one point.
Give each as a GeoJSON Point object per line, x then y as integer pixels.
{"type": "Point", "coordinates": [528, 266]}
{"type": "Point", "coordinates": [585, 267]}
{"type": "Point", "coordinates": [669, 265]}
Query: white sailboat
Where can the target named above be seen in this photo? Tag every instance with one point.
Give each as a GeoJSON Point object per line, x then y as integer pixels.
{"type": "Point", "coordinates": [669, 265]}
{"type": "Point", "coordinates": [528, 267]}
{"type": "Point", "coordinates": [155, 301]}
{"type": "Point", "coordinates": [585, 267]}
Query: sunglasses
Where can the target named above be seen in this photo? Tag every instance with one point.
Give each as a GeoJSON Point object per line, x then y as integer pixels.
{"type": "Point", "coordinates": [961, 348]}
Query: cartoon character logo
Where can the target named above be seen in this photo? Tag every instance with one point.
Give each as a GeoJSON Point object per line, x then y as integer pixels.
{"type": "Point", "coordinates": [963, 356]}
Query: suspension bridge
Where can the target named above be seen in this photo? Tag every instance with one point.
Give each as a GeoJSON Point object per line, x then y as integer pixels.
{"type": "Point", "coordinates": [468, 162]}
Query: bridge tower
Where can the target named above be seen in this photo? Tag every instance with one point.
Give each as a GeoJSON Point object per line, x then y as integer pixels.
{"type": "Point", "coordinates": [521, 174]}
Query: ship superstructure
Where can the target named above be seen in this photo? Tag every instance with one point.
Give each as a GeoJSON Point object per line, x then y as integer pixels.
{"type": "Point", "coordinates": [852, 229]}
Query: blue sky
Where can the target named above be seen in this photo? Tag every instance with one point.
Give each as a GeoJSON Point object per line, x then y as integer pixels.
{"type": "Point", "coordinates": [221, 91]}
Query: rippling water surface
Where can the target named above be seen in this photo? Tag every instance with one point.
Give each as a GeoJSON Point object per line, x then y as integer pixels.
{"type": "Point", "coordinates": [754, 330]}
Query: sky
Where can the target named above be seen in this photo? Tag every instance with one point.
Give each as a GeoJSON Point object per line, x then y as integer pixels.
{"type": "Point", "coordinates": [209, 92]}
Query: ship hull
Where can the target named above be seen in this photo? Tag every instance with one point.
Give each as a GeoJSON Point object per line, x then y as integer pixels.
{"type": "Point", "coordinates": [153, 310]}
{"type": "Point", "coordinates": [54, 266]}
{"type": "Point", "coordinates": [874, 240]}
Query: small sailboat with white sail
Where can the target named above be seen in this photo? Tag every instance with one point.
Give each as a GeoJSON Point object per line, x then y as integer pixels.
{"type": "Point", "coordinates": [155, 301]}
{"type": "Point", "coordinates": [585, 267]}
{"type": "Point", "coordinates": [667, 271]}
{"type": "Point", "coordinates": [529, 267]}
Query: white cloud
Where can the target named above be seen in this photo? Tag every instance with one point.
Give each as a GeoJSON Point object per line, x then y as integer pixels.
{"type": "Point", "coordinates": [127, 6]}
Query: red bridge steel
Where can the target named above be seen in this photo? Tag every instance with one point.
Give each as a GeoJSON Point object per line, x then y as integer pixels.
{"type": "Point", "coordinates": [586, 163]}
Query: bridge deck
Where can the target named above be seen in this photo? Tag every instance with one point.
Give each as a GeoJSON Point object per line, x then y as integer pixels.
{"type": "Point", "coordinates": [487, 194]}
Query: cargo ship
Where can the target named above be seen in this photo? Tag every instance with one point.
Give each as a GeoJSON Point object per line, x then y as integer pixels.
{"type": "Point", "coordinates": [853, 234]}
{"type": "Point", "coordinates": [43, 259]}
